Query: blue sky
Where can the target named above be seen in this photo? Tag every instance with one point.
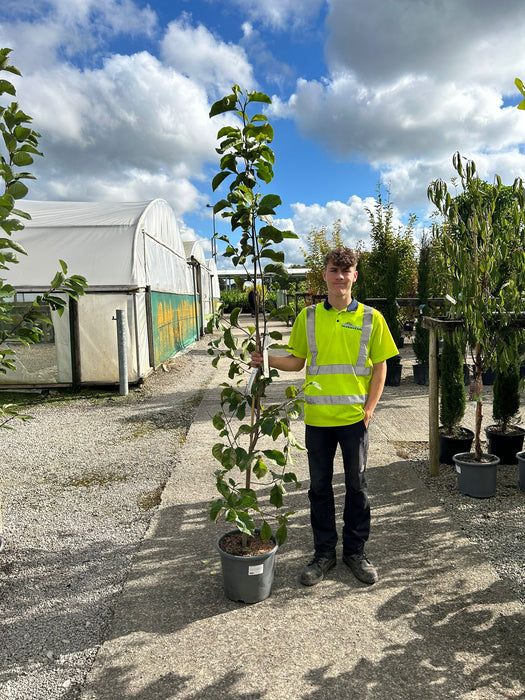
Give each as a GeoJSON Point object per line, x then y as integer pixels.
{"type": "Point", "coordinates": [363, 91]}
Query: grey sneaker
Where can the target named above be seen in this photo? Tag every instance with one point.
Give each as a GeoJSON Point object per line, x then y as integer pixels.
{"type": "Point", "coordinates": [317, 568]}
{"type": "Point", "coordinates": [362, 569]}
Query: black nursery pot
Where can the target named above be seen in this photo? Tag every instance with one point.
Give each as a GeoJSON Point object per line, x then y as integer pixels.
{"type": "Point", "coordinates": [449, 445]}
{"type": "Point", "coordinates": [420, 374]}
{"type": "Point", "coordinates": [393, 375]}
{"type": "Point", "coordinates": [505, 445]}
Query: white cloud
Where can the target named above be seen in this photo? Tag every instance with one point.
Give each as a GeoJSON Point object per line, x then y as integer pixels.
{"type": "Point", "coordinates": [132, 129]}
{"type": "Point", "coordinates": [281, 14]}
{"type": "Point", "coordinates": [352, 215]}
{"type": "Point", "coordinates": [205, 59]}
{"type": "Point", "coordinates": [42, 31]}
{"type": "Point", "coordinates": [470, 41]}
{"type": "Point", "coordinates": [411, 83]}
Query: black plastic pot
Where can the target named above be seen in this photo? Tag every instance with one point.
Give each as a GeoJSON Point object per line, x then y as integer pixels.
{"type": "Point", "coordinates": [476, 479]}
{"type": "Point", "coordinates": [505, 445]}
{"type": "Point", "coordinates": [420, 374]}
{"type": "Point", "coordinates": [488, 377]}
{"type": "Point", "coordinates": [520, 456]}
{"type": "Point", "coordinates": [450, 445]}
{"type": "Point", "coordinates": [247, 579]}
{"type": "Point", "coordinates": [393, 375]}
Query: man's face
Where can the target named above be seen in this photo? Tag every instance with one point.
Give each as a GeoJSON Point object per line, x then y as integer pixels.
{"type": "Point", "coordinates": [339, 280]}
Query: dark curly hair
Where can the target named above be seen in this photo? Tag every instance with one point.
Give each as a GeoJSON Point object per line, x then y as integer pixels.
{"type": "Point", "coordinates": [341, 257]}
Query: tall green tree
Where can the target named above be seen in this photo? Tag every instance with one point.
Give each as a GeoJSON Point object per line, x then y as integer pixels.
{"type": "Point", "coordinates": [21, 325]}
{"type": "Point", "coordinates": [482, 265]}
{"type": "Point", "coordinates": [425, 269]}
{"type": "Point", "coordinates": [246, 164]}
{"type": "Point", "coordinates": [318, 243]}
{"type": "Point", "coordinates": [390, 266]}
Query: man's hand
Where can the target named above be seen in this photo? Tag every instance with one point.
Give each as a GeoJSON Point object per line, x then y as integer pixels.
{"type": "Point", "coordinates": [256, 360]}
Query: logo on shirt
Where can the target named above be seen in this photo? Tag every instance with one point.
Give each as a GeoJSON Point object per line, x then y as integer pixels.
{"type": "Point", "coordinates": [354, 328]}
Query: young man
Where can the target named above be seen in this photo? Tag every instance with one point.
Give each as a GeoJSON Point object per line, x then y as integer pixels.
{"type": "Point", "coordinates": [345, 345]}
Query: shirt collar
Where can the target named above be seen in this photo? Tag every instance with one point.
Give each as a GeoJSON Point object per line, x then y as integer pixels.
{"type": "Point", "coordinates": [352, 306]}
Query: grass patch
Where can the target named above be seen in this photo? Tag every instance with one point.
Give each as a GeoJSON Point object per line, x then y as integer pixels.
{"type": "Point", "coordinates": [96, 479]}
{"type": "Point", "coordinates": [151, 499]}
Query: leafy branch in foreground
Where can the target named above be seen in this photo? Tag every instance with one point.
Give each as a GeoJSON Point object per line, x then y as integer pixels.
{"type": "Point", "coordinates": [21, 324]}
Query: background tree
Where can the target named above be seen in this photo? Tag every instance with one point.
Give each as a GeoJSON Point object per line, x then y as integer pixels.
{"type": "Point", "coordinates": [21, 325]}
{"type": "Point", "coordinates": [452, 384]}
{"type": "Point", "coordinates": [392, 248]}
{"type": "Point", "coordinates": [318, 244]}
{"type": "Point", "coordinates": [389, 268]}
{"type": "Point", "coordinates": [424, 277]}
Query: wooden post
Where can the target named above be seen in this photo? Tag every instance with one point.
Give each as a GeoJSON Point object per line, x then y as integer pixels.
{"type": "Point", "coordinates": [433, 402]}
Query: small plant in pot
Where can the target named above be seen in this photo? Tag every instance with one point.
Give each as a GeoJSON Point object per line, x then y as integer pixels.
{"type": "Point", "coordinates": [255, 436]}
{"type": "Point", "coordinates": [453, 438]}
{"type": "Point", "coordinates": [505, 438]}
{"type": "Point", "coordinates": [483, 272]}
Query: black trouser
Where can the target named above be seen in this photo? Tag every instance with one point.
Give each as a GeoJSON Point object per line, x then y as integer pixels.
{"type": "Point", "coordinates": [321, 444]}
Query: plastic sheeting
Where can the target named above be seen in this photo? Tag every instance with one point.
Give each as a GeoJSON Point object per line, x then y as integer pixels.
{"type": "Point", "coordinates": [115, 244]}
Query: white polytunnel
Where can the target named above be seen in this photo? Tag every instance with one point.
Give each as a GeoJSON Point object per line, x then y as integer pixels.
{"type": "Point", "coordinates": [133, 258]}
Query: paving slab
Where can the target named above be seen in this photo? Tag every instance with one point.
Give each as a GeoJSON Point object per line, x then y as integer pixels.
{"type": "Point", "coordinates": [438, 624]}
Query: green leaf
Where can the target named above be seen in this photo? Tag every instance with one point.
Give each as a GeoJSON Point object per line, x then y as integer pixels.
{"type": "Point", "coordinates": [218, 179]}
{"type": "Point", "coordinates": [259, 468]}
{"type": "Point", "coordinates": [216, 508]}
{"type": "Point", "coordinates": [266, 531]}
{"type": "Point", "coordinates": [218, 421]}
{"type": "Point", "coordinates": [276, 495]}
{"type": "Point", "coordinates": [20, 159]}
{"type": "Point", "coordinates": [275, 255]}
{"type": "Point", "coordinates": [270, 201]}
{"type": "Point", "coordinates": [276, 456]}
{"type": "Point", "coordinates": [6, 86]}
{"type": "Point", "coordinates": [226, 104]}
{"type": "Point", "coordinates": [17, 189]}
{"type": "Point", "coordinates": [216, 451]}
{"type": "Point", "coordinates": [282, 534]}
{"type": "Point", "coordinates": [229, 339]}
{"type": "Point", "coordinates": [259, 97]}
{"type": "Point", "coordinates": [234, 317]}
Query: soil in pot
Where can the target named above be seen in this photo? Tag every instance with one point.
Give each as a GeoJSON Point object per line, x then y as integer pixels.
{"type": "Point", "coordinates": [232, 544]}
{"type": "Point", "coordinates": [452, 443]}
{"type": "Point", "coordinates": [505, 445]}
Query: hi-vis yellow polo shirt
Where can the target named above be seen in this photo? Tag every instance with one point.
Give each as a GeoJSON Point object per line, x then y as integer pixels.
{"type": "Point", "coordinates": [340, 348]}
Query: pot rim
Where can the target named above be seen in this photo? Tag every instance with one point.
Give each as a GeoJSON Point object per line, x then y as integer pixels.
{"type": "Point", "coordinates": [517, 430]}
{"type": "Point", "coordinates": [453, 437]}
{"type": "Point", "coordinates": [494, 459]}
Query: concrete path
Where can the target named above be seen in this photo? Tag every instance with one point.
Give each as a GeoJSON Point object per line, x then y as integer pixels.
{"type": "Point", "coordinates": [438, 624]}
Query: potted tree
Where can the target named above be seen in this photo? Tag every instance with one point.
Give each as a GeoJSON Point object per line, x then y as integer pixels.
{"type": "Point", "coordinates": [421, 337]}
{"type": "Point", "coordinates": [482, 227]}
{"type": "Point", "coordinates": [505, 438]}
{"type": "Point", "coordinates": [255, 440]}
{"type": "Point", "coordinates": [453, 438]}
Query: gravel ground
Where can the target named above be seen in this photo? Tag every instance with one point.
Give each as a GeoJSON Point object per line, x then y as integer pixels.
{"type": "Point", "coordinates": [79, 485]}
